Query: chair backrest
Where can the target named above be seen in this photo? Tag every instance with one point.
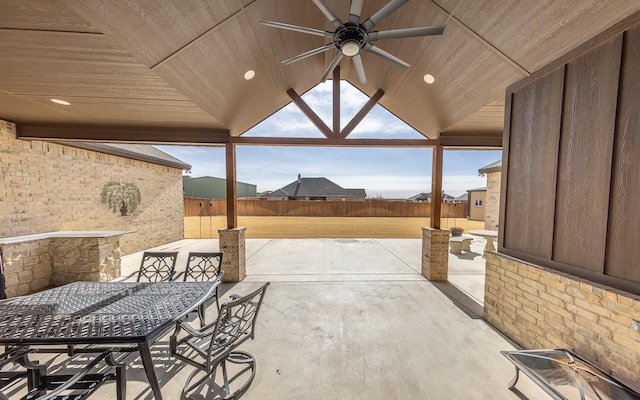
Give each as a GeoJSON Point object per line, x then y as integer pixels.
{"type": "Point", "coordinates": [235, 324]}
{"type": "Point", "coordinates": [157, 266]}
{"type": "Point", "coordinates": [203, 267]}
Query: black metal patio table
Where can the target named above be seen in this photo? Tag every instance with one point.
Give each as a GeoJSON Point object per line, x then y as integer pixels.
{"type": "Point", "coordinates": [92, 313]}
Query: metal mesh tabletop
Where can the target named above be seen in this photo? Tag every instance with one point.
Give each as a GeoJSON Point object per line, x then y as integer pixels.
{"type": "Point", "coordinates": [95, 312]}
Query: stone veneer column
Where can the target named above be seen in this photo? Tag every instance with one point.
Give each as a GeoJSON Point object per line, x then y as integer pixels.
{"type": "Point", "coordinates": [435, 254]}
{"type": "Point", "coordinates": [232, 244]}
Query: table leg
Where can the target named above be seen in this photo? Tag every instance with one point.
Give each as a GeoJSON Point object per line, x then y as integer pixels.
{"type": "Point", "coordinates": [515, 379]}
{"type": "Point", "coordinates": [147, 362]}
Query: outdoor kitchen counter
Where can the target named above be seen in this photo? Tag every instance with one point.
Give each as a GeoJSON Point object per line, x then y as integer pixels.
{"type": "Point", "coordinates": [61, 234]}
{"type": "Point", "coordinates": [38, 261]}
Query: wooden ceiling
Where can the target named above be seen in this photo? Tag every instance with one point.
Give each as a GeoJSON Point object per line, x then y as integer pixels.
{"type": "Point", "coordinates": [179, 65]}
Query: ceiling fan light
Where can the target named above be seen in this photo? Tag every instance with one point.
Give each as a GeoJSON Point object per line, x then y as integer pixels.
{"type": "Point", "coordinates": [249, 74]}
{"type": "Point", "coordinates": [429, 79]}
{"type": "Point", "coordinates": [350, 49]}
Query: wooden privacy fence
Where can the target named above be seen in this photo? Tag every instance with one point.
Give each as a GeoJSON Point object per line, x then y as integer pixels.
{"type": "Point", "coordinates": [194, 207]}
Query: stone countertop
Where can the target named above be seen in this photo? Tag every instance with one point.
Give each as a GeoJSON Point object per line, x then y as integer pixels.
{"type": "Point", "coordinates": [62, 234]}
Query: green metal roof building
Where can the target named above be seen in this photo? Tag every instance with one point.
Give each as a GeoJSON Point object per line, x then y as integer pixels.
{"type": "Point", "coordinates": [209, 187]}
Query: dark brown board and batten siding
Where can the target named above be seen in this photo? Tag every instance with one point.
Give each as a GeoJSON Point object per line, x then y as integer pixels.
{"type": "Point", "coordinates": [623, 250]}
{"type": "Point", "coordinates": [584, 167]}
{"type": "Point", "coordinates": [571, 190]}
{"type": "Point", "coordinates": [533, 159]}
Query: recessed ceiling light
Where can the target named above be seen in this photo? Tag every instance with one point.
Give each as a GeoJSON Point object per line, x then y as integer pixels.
{"type": "Point", "coordinates": [61, 102]}
{"type": "Point", "coordinates": [249, 74]}
{"type": "Point", "coordinates": [429, 79]}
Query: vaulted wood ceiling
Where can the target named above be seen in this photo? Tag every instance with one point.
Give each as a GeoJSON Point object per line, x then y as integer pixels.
{"type": "Point", "coordinates": [179, 64]}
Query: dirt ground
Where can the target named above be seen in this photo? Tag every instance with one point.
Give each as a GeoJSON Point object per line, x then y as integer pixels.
{"type": "Point", "coordinates": [321, 227]}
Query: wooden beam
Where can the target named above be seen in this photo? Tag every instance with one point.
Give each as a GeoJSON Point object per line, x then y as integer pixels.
{"type": "Point", "coordinates": [306, 110]}
{"type": "Point", "coordinates": [321, 142]}
{"type": "Point", "coordinates": [122, 134]}
{"type": "Point", "coordinates": [336, 102]}
{"type": "Point", "coordinates": [361, 114]}
{"type": "Point", "coordinates": [232, 193]}
{"type": "Point", "coordinates": [436, 187]}
{"type": "Point", "coordinates": [484, 140]}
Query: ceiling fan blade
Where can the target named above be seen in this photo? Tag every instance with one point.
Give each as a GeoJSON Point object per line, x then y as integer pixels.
{"type": "Point", "coordinates": [296, 28]}
{"type": "Point", "coordinates": [309, 53]}
{"type": "Point", "coordinates": [383, 13]}
{"type": "Point", "coordinates": [390, 58]}
{"type": "Point", "coordinates": [334, 63]}
{"type": "Point", "coordinates": [357, 63]}
{"type": "Point", "coordinates": [406, 33]}
{"type": "Point", "coordinates": [331, 16]}
{"type": "Point", "coordinates": [355, 11]}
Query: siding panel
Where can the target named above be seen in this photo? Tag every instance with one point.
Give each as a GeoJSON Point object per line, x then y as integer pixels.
{"type": "Point", "coordinates": [533, 151]}
{"type": "Point", "coordinates": [623, 252]}
{"type": "Point", "coordinates": [586, 146]}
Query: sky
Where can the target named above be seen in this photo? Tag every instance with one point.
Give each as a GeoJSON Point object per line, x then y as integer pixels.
{"type": "Point", "coordinates": [396, 173]}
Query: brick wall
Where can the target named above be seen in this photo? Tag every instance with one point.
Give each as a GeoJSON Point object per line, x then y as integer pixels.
{"type": "Point", "coordinates": [492, 201]}
{"type": "Point", "coordinates": [50, 187]}
{"type": "Point", "coordinates": [540, 309]}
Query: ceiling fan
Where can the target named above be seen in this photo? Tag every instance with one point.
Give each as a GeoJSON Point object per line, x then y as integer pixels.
{"type": "Point", "coordinates": [352, 37]}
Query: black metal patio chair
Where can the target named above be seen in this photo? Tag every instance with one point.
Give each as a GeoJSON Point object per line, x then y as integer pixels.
{"type": "Point", "coordinates": [84, 383]}
{"type": "Point", "coordinates": [15, 365]}
{"type": "Point", "coordinates": [202, 267]}
{"type": "Point", "coordinates": [80, 385]}
{"type": "Point", "coordinates": [216, 345]}
{"type": "Point", "coordinates": [157, 266]}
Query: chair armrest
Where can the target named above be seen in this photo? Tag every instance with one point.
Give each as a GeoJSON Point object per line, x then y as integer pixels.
{"type": "Point", "coordinates": [14, 354]}
{"type": "Point", "coordinates": [200, 333]}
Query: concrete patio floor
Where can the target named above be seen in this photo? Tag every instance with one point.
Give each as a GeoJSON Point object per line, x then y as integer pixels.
{"type": "Point", "coordinates": [353, 319]}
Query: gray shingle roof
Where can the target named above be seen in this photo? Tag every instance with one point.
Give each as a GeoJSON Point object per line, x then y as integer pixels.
{"type": "Point", "coordinates": [315, 187]}
{"type": "Point", "coordinates": [493, 167]}
{"type": "Point", "coordinates": [141, 152]}
{"type": "Point", "coordinates": [463, 197]}
{"type": "Point", "coordinates": [427, 196]}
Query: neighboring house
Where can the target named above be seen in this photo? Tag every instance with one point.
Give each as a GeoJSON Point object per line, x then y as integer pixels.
{"type": "Point", "coordinates": [427, 197]}
{"type": "Point", "coordinates": [463, 198]}
{"type": "Point", "coordinates": [493, 172]}
{"type": "Point", "coordinates": [316, 189]}
{"type": "Point", "coordinates": [476, 206]}
{"type": "Point", "coordinates": [209, 187]}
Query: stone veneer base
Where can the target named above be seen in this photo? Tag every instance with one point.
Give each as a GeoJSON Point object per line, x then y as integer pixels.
{"type": "Point", "coordinates": [541, 308]}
